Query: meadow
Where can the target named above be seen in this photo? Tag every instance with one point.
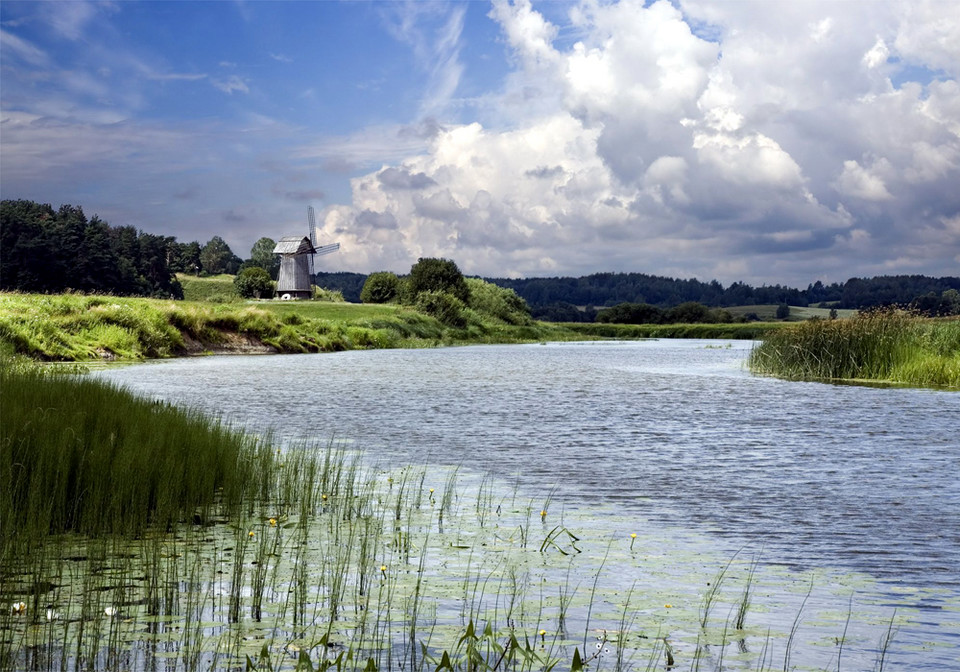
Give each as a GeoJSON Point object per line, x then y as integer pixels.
{"type": "Point", "coordinates": [892, 346]}
{"type": "Point", "coordinates": [77, 327]}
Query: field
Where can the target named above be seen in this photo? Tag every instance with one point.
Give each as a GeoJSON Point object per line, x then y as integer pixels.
{"type": "Point", "coordinates": [768, 313]}
{"type": "Point", "coordinates": [74, 327]}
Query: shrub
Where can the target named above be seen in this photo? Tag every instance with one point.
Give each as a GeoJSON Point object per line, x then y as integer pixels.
{"type": "Point", "coordinates": [380, 287]}
{"type": "Point", "coordinates": [498, 302]}
{"type": "Point", "coordinates": [253, 282]}
{"type": "Point", "coordinates": [331, 295]}
{"type": "Point", "coordinates": [446, 308]}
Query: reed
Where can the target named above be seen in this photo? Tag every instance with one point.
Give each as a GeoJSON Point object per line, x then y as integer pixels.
{"type": "Point", "coordinates": [883, 345]}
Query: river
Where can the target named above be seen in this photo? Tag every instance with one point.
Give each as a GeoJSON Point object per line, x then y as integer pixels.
{"type": "Point", "coordinates": [671, 434]}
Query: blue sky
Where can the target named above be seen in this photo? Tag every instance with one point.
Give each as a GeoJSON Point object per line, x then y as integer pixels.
{"type": "Point", "coordinates": [756, 141]}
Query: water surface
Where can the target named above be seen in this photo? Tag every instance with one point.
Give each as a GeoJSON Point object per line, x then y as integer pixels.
{"type": "Point", "coordinates": [664, 433]}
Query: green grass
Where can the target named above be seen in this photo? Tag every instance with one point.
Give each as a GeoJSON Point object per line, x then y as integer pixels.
{"type": "Point", "coordinates": [88, 457]}
{"type": "Point", "coordinates": [74, 327]}
{"type": "Point", "coordinates": [885, 346]}
{"type": "Point", "coordinates": [214, 288]}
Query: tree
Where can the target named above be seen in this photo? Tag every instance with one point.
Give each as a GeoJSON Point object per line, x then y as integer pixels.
{"type": "Point", "coordinates": [690, 312]}
{"type": "Point", "coordinates": [436, 275]}
{"type": "Point", "coordinates": [216, 256]}
{"type": "Point", "coordinates": [631, 313]}
{"type": "Point", "coordinates": [380, 287]}
{"type": "Point", "coordinates": [783, 311]}
{"type": "Point", "coordinates": [262, 255]}
{"type": "Point", "coordinates": [253, 282]}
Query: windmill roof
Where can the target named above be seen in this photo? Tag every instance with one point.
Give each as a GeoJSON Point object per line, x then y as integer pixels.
{"type": "Point", "coordinates": [294, 245]}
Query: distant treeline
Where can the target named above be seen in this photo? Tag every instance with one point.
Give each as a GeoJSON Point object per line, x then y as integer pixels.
{"type": "Point", "coordinates": [579, 299]}
{"type": "Point", "coordinates": [47, 250]}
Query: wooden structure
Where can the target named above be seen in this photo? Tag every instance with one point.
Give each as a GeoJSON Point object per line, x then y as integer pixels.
{"type": "Point", "coordinates": [296, 261]}
{"type": "Point", "coordinates": [296, 267]}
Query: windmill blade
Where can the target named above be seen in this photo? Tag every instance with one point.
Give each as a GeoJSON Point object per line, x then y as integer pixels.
{"type": "Point", "coordinates": [312, 223]}
{"type": "Point", "coordinates": [326, 249]}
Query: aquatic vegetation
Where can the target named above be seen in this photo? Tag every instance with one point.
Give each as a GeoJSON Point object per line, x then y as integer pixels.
{"type": "Point", "coordinates": [884, 345]}
{"type": "Point", "coordinates": [303, 556]}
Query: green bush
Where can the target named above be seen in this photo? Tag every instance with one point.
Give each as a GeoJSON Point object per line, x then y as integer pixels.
{"type": "Point", "coordinates": [253, 282]}
{"type": "Point", "coordinates": [380, 287]}
{"type": "Point", "coordinates": [503, 304]}
{"type": "Point", "coordinates": [446, 308]}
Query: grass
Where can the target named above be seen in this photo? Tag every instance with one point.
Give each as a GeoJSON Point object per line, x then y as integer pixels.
{"type": "Point", "coordinates": [886, 346]}
{"type": "Point", "coordinates": [73, 327]}
{"type": "Point", "coordinates": [213, 288]}
{"type": "Point", "coordinates": [140, 536]}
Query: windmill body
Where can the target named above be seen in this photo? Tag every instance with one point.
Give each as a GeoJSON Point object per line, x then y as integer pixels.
{"type": "Point", "coordinates": [296, 261]}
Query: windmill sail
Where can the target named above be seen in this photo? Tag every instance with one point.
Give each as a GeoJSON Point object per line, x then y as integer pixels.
{"type": "Point", "coordinates": [318, 249]}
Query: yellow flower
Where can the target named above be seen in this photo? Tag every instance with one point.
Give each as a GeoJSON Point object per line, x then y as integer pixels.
{"type": "Point", "coordinates": [543, 632]}
{"type": "Point", "coordinates": [250, 533]}
{"type": "Point", "coordinates": [431, 491]}
{"type": "Point", "coordinates": [633, 535]}
{"type": "Point", "coordinates": [668, 605]}
{"type": "Point", "coordinates": [383, 568]}
{"type": "Point", "coordinates": [324, 496]}
{"type": "Point", "coordinates": [273, 522]}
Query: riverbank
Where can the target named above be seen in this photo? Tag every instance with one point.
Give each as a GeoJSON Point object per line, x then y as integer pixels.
{"type": "Point", "coordinates": [77, 328]}
{"type": "Point", "coordinates": [887, 346]}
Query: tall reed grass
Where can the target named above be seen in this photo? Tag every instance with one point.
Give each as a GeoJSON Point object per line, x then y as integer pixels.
{"type": "Point", "coordinates": [885, 345]}
{"type": "Point", "coordinates": [82, 455]}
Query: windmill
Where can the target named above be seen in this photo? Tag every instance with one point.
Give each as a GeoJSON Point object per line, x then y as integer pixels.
{"type": "Point", "coordinates": [296, 261]}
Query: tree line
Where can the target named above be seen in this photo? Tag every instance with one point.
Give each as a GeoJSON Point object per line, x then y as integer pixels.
{"type": "Point", "coordinates": [47, 250]}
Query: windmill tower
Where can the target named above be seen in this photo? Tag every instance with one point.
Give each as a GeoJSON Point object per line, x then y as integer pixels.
{"type": "Point", "coordinates": [296, 261]}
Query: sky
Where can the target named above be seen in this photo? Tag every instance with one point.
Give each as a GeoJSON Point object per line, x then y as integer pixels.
{"type": "Point", "coordinates": [755, 141]}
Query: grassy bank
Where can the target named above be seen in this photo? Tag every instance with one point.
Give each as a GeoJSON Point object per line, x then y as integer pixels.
{"type": "Point", "coordinates": [244, 556]}
{"type": "Point", "coordinates": [71, 327]}
{"type": "Point", "coordinates": [883, 346]}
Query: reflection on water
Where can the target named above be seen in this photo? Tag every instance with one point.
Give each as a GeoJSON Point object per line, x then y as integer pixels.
{"type": "Point", "coordinates": [674, 433]}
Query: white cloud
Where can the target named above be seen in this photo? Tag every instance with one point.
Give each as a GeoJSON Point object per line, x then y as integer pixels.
{"type": "Point", "coordinates": [231, 84]}
{"type": "Point", "coordinates": [860, 182]}
{"type": "Point", "coordinates": [644, 146]}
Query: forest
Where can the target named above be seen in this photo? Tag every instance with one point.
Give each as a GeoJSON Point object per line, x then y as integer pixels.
{"type": "Point", "coordinates": [47, 250]}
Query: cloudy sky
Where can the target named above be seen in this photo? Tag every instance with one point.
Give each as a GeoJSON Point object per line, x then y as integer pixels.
{"type": "Point", "coordinates": [769, 142]}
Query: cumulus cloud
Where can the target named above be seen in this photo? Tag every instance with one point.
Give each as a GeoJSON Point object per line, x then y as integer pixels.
{"type": "Point", "coordinates": [738, 140]}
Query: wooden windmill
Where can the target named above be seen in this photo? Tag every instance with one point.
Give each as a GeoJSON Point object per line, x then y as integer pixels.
{"type": "Point", "coordinates": [296, 261]}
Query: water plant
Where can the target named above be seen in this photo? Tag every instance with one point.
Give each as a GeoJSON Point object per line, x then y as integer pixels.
{"type": "Point", "coordinates": [881, 345]}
